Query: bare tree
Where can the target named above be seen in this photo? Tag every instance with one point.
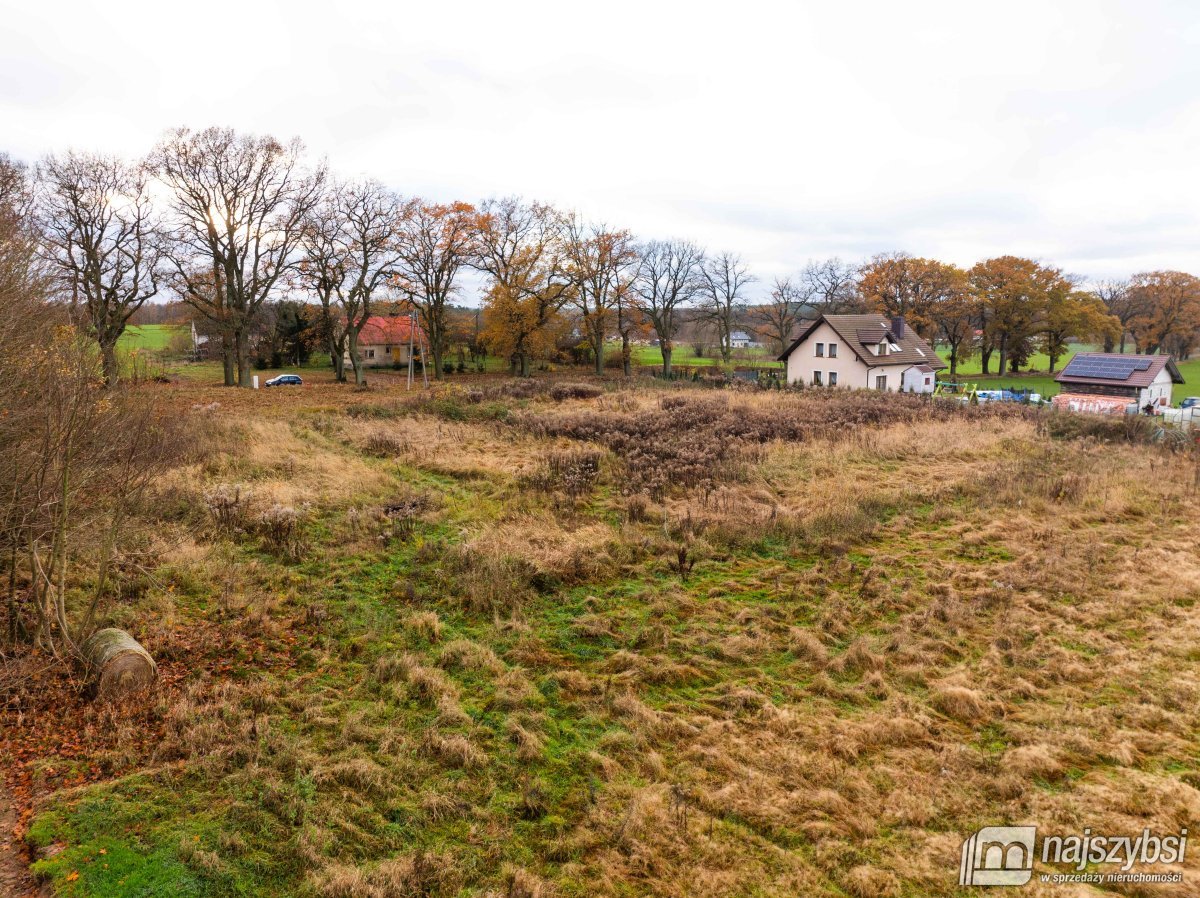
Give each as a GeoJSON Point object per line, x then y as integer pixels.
{"type": "Point", "coordinates": [725, 278]}
{"type": "Point", "coordinates": [21, 272]}
{"type": "Point", "coordinates": [76, 459]}
{"type": "Point", "coordinates": [434, 241]}
{"type": "Point", "coordinates": [371, 215]}
{"type": "Point", "coordinates": [238, 203]}
{"type": "Point", "coordinates": [669, 278]}
{"type": "Point", "coordinates": [630, 319]}
{"type": "Point", "coordinates": [323, 270]}
{"type": "Point", "coordinates": [100, 234]}
{"type": "Point", "coordinates": [25, 319]}
{"type": "Point", "coordinates": [599, 257]}
{"type": "Point", "coordinates": [830, 286]}
{"type": "Point", "coordinates": [780, 314]}
{"type": "Point", "coordinates": [1123, 304]}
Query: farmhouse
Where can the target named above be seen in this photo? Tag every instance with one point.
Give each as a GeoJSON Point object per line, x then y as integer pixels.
{"type": "Point", "coordinates": [743, 340]}
{"type": "Point", "coordinates": [383, 342]}
{"type": "Point", "coordinates": [862, 351]}
{"type": "Point", "coordinates": [1108, 382]}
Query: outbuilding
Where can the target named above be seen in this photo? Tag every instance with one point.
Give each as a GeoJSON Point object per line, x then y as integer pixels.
{"type": "Point", "coordinates": [1114, 382]}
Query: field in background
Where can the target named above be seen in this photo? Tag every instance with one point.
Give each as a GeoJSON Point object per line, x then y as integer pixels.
{"type": "Point", "coordinates": [684, 354]}
{"type": "Point", "coordinates": [152, 337]}
{"type": "Point", "coordinates": [545, 639]}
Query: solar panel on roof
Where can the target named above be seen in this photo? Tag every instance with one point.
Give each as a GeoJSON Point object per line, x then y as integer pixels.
{"type": "Point", "coordinates": [1106, 368]}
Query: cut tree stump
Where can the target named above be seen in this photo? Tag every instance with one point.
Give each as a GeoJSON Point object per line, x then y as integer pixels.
{"type": "Point", "coordinates": [117, 664]}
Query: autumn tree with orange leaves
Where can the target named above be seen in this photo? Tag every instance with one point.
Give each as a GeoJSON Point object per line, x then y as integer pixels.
{"type": "Point", "coordinates": [1072, 314]}
{"type": "Point", "coordinates": [1013, 295]}
{"type": "Point", "coordinates": [953, 319]}
{"type": "Point", "coordinates": [522, 247]}
{"type": "Point", "coordinates": [900, 285]}
{"type": "Point", "coordinates": [1168, 311]}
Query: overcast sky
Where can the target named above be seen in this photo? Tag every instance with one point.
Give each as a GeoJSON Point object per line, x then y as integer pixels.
{"type": "Point", "coordinates": [1065, 131]}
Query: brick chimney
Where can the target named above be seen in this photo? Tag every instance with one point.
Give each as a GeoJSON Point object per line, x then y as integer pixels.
{"type": "Point", "coordinates": [898, 327]}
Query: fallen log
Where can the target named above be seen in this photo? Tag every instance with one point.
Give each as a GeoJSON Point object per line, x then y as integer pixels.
{"type": "Point", "coordinates": [116, 664]}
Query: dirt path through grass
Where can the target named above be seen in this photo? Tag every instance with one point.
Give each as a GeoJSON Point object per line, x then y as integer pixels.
{"type": "Point", "coordinates": [15, 881]}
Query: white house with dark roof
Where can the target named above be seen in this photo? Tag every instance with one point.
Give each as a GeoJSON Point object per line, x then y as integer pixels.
{"type": "Point", "coordinates": [869, 352]}
{"type": "Point", "coordinates": [1111, 382]}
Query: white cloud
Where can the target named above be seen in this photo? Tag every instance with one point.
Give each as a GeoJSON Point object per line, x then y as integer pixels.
{"type": "Point", "coordinates": [1061, 130]}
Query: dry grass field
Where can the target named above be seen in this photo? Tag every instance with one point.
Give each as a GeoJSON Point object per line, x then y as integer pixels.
{"type": "Point", "coordinates": [541, 639]}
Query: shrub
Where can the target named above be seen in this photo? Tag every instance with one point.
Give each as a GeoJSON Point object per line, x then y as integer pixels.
{"type": "Point", "coordinates": [575, 473]}
{"type": "Point", "coordinates": [229, 505]}
{"type": "Point", "coordinates": [562, 391]}
{"type": "Point", "coordinates": [385, 445]}
{"type": "Point", "coordinates": [281, 529]}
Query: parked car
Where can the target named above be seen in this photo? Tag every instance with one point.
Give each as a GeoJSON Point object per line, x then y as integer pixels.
{"type": "Point", "coordinates": [285, 380]}
{"type": "Point", "coordinates": [1190, 402]}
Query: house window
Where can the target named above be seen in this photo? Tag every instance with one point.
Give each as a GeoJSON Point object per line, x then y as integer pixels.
{"type": "Point", "coordinates": [832, 352]}
{"type": "Point", "coordinates": [816, 378]}
{"type": "Point", "coordinates": [370, 353]}
{"type": "Point", "coordinates": [883, 349]}
{"type": "Point", "coordinates": [820, 350]}
{"type": "Point", "coordinates": [881, 382]}
{"type": "Point", "coordinates": [832, 374]}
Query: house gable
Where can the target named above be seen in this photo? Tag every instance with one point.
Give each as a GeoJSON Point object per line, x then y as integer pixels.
{"type": "Point", "coordinates": [857, 337]}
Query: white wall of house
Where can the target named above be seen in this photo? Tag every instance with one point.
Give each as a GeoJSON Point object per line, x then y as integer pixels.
{"type": "Point", "coordinates": [1159, 392]}
{"type": "Point", "coordinates": [804, 361]}
{"type": "Point", "coordinates": [851, 373]}
{"type": "Point", "coordinates": [381, 356]}
{"type": "Point", "coordinates": [917, 381]}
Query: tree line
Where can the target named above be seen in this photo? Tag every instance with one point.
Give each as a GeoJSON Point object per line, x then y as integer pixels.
{"type": "Point", "coordinates": [229, 223]}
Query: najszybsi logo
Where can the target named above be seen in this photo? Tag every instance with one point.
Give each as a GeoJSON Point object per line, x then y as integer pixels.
{"type": "Point", "coordinates": [1004, 856]}
{"type": "Point", "coordinates": [998, 856]}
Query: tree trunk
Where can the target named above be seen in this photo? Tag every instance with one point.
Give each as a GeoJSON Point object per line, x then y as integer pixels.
{"type": "Point", "coordinates": [1122, 342]}
{"type": "Point", "coordinates": [227, 358]}
{"type": "Point", "coordinates": [598, 349]}
{"type": "Point", "coordinates": [626, 355]}
{"type": "Point", "coordinates": [108, 354]}
{"type": "Point", "coordinates": [1003, 354]}
{"type": "Point", "coordinates": [985, 361]}
{"type": "Point", "coordinates": [435, 349]}
{"type": "Point", "coordinates": [666, 354]}
{"type": "Point", "coordinates": [241, 342]}
{"type": "Point", "coordinates": [525, 366]}
{"type": "Point", "coordinates": [117, 665]}
{"type": "Point", "coordinates": [355, 361]}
